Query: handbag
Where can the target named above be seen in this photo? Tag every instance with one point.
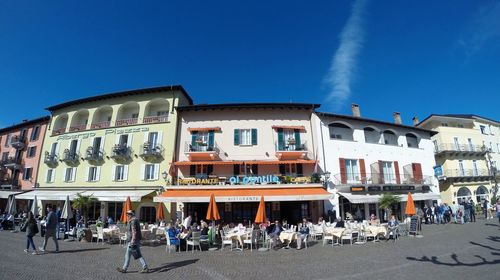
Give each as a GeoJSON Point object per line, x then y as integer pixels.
{"type": "Point", "coordinates": [135, 252]}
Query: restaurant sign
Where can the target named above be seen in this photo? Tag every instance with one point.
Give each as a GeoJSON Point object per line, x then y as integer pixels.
{"type": "Point", "coordinates": [199, 181]}
{"type": "Point", "coordinates": [268, 179]}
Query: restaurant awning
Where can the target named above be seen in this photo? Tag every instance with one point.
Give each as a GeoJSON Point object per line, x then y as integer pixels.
{"type": "Point", "coordinates": [373, 198]}
{"type": "Point", "coordinates": [118, 195]}
{"type": "Point", "coordinates": [6, 194]}
{"type": "Point", "coordinates": [243, 195]}
{"type": "Point", "coordinates": [49, 194]}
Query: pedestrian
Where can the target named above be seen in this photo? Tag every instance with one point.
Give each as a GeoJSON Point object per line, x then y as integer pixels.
{"type": "Point", "coordinates": [31, 228]}
{"type": "Point", "coordinates": [58, 215]}
{"type": "Point", "coordinates": [134, 244]}
{"type": "Point", "coordinates": [472, 211]}
{"type": "Point", "coordinates": [498, 210]}
{"type": "Point", "coordinates": [50, 229]}
{"type": "Point", "coordinates": [485, 208]}
{"type": "Point", "coordinates": [454, 212]}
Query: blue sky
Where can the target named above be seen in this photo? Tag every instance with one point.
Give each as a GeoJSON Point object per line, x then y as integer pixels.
{"type": "Point", "coordinates": [414, 57]}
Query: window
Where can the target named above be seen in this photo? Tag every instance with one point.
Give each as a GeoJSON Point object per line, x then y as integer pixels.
{"type": "Point", "coordinates": [471, 146]}
{"type": "Point", "coordinates": [148, 214]}
{"type": "Point", "coordinates": [162, 113]}
{"type": "Point", "coordinates": [245, 137]}
{"type": "Point", "coordinates": [69, 175]}
{"type": "Point", "coordinates": [93, 174]}
{"type": "Point", "coordinates": [483, 129]}
{"type": "Point", "coordinates": [73, 146]}
{"type": "Point", "coordinates": [120, 173]}
{"type": "Point", "coordinates": [474, 166]}
{"type": "Point", "coordinates": [135, 115]}
{"type": "Point", "coordinates": [27, 173]}
{"type": "Point", "coordinates": [151, 172]}
{"type": "Point", "coordinates": [153, 139]}
{"type": "Point", "coordinates": [387, 171]}
{"type": "Point", "coordinates": [31, 152]}
{"type": "Point", "coordinates": [7, 140]}
{"type": "Point", "coordinates": [340, 131]}
{"type": "Point", "coordinates": [251, 169]}
{"type": "Point", "coordinates": [53, 149]}
{"type": "Point", "coordinates": [461, 168]}
{"type": "Point", "coordinates": [390, 138]}
{"type": "Point", "coordinates": [50, 176]}
{"type": "Point", "coordinates": [457, 145]}
{"type": "Point", "coordinates": [97, 144]}
{"type": "Point", "coordinates": [123, 140]}
{"type": "Point", "coordinates": [5, 156]}
{"type": "Point", "coordinates": [436, 147]}
{"type": "Point", "coordinates": [35, 132]}
{"type": "Point", "coordinates": [115, 210]}
{"type": "Point", "coordinates": [411, 140]}
{"type": "Point", "coordinates": [351, 168]}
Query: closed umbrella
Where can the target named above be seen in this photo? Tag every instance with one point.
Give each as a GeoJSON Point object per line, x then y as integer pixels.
{"type": "Point", "coordinates": [67, 213]}
{"type": "Point", "coordinates": [261, 212]}
{"type": "Point", "coordinates": [213, 212]}
{"type": "Point", "coordinates": [34, 207]}
{"type": "Point", "coordinates": [410, 206]}
{"type": "Point", "coordinates": [160, 213]}
{"type": "Point", "coordinates": [126, 206]}
{"type": "Point", "coordinates": [11, 205]}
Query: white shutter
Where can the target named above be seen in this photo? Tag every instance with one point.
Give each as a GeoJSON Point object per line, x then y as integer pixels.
{"type": "Point", "coordinates": [143, 166]}
{"type": "Point", "coordinates": [102, 143]}
{"type": "Point", "coordinates": [125, 172]}
{"type": "Point", "coordinates": [86, 174]}
{"type": "Point", "coordinates": [64, 174]}
{"type": "Point", "coordinates": [73, 174]}
{"type": "Point", "coordinates": [98, 173]}
{"type": "Point", "coordinates": [129, 140]}
{"type": "Point", "coordinates": [53, 177]}
{"type": "Point", "coordinates": [113, 172]}
{"type": "Point", "coordinates": [158, 142]}
{"type": "Point", "coordinates": [156, 171]}
{"type": "Point", "coordinates": [49, 180]}
{"type": "Point", "coordinates": [117, 140]}
{"type": "Point", "coordinates": [91, 139]}
{"type": "Point", "coordinates": [78, 146]}
{"type": "Point", "coordinates": [57, 148]}
{"type": "Point", "coordinates": [146, 137]}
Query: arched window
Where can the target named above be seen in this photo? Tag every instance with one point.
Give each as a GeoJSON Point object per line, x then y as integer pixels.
{"type": "Point", "coordinates": [371, 135]}
{"type": "Point", "coordinates": [411, 140]}
{"type": "Point", "coordinates": [128, 114]}
{"type": "Point", "coordinates": [79, 120]}
{"type": "Point", "coordinates": [481, 194]}
{"type": "Point", "coordinates": [340, 131]}
{"type": "Point", "coordinates": [463, 194]}
{"type": "Point", "coordinates": [156, 111]}
{"type": "Point", "coordinates": [60, 124]}
{"type": "Point", "coordinates": [390, 138]}
{"type": "Point", "coordinates": [102, 117]}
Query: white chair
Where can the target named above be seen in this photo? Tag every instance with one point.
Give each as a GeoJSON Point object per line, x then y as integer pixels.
{"type": "Point", "coordinates": [328, 237]}
{"type": "Point", "coordinates": [352, 236]}
{"type": "Point", "coordinates": [225, 240]}
{"type": "Point", "coordinates": [317, 231]}
{"type": "Point", "coordinates": [100, 235]}
{"type": "Point", "coordinates": [194, 241]}
{"type": "Point", "coordinates": [251, 238]}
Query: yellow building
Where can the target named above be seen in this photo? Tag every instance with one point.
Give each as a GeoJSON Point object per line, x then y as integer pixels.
{"type": "Point", "coordinates": [464, 148]}
{"type": "Point", "coordinates": [111, 146]}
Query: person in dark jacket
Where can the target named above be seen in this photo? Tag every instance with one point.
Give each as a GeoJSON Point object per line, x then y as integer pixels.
{"type": "Point", "coordinates": [134, 244]}
{"type": "Point", "coordinates": [31, 228]}
{"type": "Point", "coordinates": [50, 229]}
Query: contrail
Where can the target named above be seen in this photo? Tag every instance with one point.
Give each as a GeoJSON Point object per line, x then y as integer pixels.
{"type": "Point", "coordinates": [343, 65]}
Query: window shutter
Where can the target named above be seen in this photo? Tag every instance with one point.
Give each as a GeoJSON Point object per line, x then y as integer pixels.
{"type": "Point", "coordinates": [129, 140]}
{"type": "Point", "coordinates": [91, 141]}
{"type": "Point", "coordinates": [49, 179]}
{"type": "Point", "coordinates": [143, 166]}
{"type": "Point", "coordinates": [396, 172]}
{"type": "Point", "coordinates": [78, 146]}
{"type": "Point", "coordinates": [194, 134]}
{"type": "Point", "coordinates": [146, 137]}
{"type": "Point", "coordinates": [254, 136]}
{"type": "Point", "coordinates": [98, 173]}
{"type": "Point", "coordinates": [211, 140]}
{"type": "Point", "coordinates": [53, 176]}
{"type": "Point", "coordinates": [125, 172]}
{"type": "Point", "coordinates": [381, 172]}
{"type": "Point", "coordinates": [117, 139]}
{"type": "Point", "coordinates": [64, 174]}
{"type": "Point", "coordinates": [57, 149]}
{"type": "Point", "coordinates": [343, 173]}
{"type": "Point", "coordinates": [417, 172]}
{"type": "Point", "coordinates": [297, 138]}
{"type": "Point", "coordinates": [192, 170]}
{"type": "Point", "coordinates": [236, 137]}
{"type": "Point", "coordinates": [281, 140]}
{"type": "Point", "coordinates": [86, 174]}
{"type": "Point", "coordinates": [113, 173]}
{"type": "Point", "coordinates": [362, 170]}
{"type": "Point", "coordinates": [300, 170]}
{"type": "Point", "coordinates": [160, 138]}
{"type": "Point", "coordinates": [282, 169]}
{"type": "Point", "coordinates": [236, 169]}
{"type": "Point", "coordinates": [156, 171]}
{"type": "Point", "coordinates": [73, 174]}
{"type": "Point", "coordinates": [102, 143]}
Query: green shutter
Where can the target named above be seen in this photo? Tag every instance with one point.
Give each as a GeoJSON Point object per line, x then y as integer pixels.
{"type": "Point", "coordinates": [236, 137]}
{"type": "Point", "coordinates": [211, 140]}
{"type": "Point", "coordinates": [194, 135]}
{"type": "Point", "coordinates": [298, 146]}
{"type": "Point", "coordinates": [281, 141]}
{"type": "Point", "coordinates": [254, 136]}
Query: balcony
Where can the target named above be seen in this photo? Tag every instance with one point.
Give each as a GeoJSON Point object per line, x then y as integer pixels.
{"type": "Point", "coordinates": [125, 122]}
{"type": "Point", "coordinates": [200, 150]}
{"type": "Point", "coordinates": [9, 184]}
{"type": "Point", "coordinates": [121, 152]}
{"type": "Point", "coordinates": [100, 125]}
{"type": "Point", "coordinates": [93, 154]}
{"type": "Point", "coordinates": [464, 150]}
{"type": "Point", "coordinates": [380, 178]}
{"type": "Point", "coordinates": [70, 157]}
{"type": "Point", "coordinates": [80, 127]}
{"type": "Point", "coordinates": [151, 151]}
{"type": "Point", "coordinates": [18, 142]}
{"type": "Point", "coordinates": [155, 119]}
{"type": "Point", "coordinates": [12, 163]}
{"type": "Point", "coordinates": [291, 150]}
{"type": "Point", "coordinates": [58, 131]}
{"type": "Point", "coordinates": [467, 175]}
{"type": "Point", "coordinates": [51, 159]}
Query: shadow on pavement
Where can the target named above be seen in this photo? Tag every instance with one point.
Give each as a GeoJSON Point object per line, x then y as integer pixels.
{"type": "Point", "coordinates": [173, 265]}
{"type": "Point", "coordinates": [456, 262]}
{"type": "Point", "coordinates": [493, 225]}
{"type": "Point", "coordinates": [484, 246]}
{"type": "Point", "coordinates": [494, 238]}
{"type": "Point", "coordinates": [81, 250]}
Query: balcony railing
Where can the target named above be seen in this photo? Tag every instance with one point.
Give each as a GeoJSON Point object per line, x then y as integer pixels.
{"type": "Point", "coordinates": [50, 159]}
{"type": "Point", "coordinates": [291, 146]}
{"type": "Point", "coordinates": [12, 163]}
{"type": "Point", "coordinates": [100, 125]}
{"type": "Point", "coordinates": [58, 131]}
{"type": "Point", "coordinates": [467, 173]}
{"type": "Point", "coordinates": [155, 119]}
{"type": "Point", "coordinates": [121, 152]}
{"type": "Point", "coordinates": [70, 157]}
{"type": "Point", "coordinates": [124, 122]}
{"type": "Point", "coordinates": [461, 148]}
{"type": "Point", "coordinates": [9, 183]}
{"type": "Point", "coordinates": [18, 142]}
{"type": "Point", "coordinates": [79, 127]}
{"type": "Point", "coordinates": [380, 178]}
{"type": "Point", "coordinates": [151, 151]}
{"type": "Point", "coordinates": [94, 154]}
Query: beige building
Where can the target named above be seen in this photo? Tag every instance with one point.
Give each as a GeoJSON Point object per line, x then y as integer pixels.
{"type": "Point", "coordinates": [467, 149]}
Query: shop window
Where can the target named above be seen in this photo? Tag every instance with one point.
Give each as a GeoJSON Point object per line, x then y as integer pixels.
{"type": "Point", "coordinates": [148, 214]}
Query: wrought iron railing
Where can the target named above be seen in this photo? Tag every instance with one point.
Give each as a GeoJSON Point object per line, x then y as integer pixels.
{"type": "Point", "coordinates": [18, 142]}
{"type": "Point", "coordinates": [151, 150]}
{"type": "Point", "coordinates": [466, 173]}
{"type": "Point", "coordinates": [451, 147]}
{"type": "Point", "coordinates": [124, 122]}
{"type": "Point", "coordinates": [100, 125]}
{"type": "Point", "coordinates": [155, 119]}
{"type": "Point", "coordinates": [79, 127]}
{"type": "Point", "coordinates": [50, 159]}
{"type": "Point", "coordinates": [94, 154]}
{"type": "Point", "coordinates": [379, 178]}
{"type": "Point", "coordinates": [121, 151]}
{"type": "Point", "coordinates": [291, 146]}
{"type": "Point", "coordinates": [70, 157]}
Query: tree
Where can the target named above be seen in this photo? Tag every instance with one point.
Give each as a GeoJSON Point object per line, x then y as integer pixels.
{"type": "Point", "coordinates": [387, 201]}
{"type": "Point", "coordinates": [83, 202]}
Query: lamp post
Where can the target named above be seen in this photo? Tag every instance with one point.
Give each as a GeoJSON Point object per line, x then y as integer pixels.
{"type": "Point", "coordinates": [327, 177]}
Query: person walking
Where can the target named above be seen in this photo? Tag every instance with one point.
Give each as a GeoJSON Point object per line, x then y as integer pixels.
{"type": "Point", "coordinates": [498, 210]}
{"type": "Point", "coordinates": [50, 229]}
{"type": "Point", "coordinates": [31, 228]}
{"type": "Point", "coordinates": [472, 211]}
{"type": "Point", "coordinates": [134, 244]}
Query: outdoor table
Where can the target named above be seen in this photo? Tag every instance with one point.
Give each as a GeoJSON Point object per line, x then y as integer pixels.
{"type": "Point", "coordinates": [376, 230]}
{"type": "Point", "coordinates": [237, 234]}
{"type": "Point", "coordinates": [337, 232]}
{"type": "Point", "coordinates": [110, 232]}
{"type": "Point", "coordinates": [288, 235]}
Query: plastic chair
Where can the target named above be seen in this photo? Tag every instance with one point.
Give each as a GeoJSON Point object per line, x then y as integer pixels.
{"type": "Point", "coordinates": [225, 240]}
{"type": "Point", "coordinates": [194, 241]}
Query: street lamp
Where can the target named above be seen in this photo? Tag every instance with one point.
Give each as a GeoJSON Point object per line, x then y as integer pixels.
{"type": "Point", "coordinates": [327, 177]}
{"type": "Point", "coordinates": [493, 172]}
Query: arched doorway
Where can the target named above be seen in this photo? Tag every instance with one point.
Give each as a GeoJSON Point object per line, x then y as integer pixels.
{"type": "Point", "coordinates": [481, 194]}
{"type": "Point", "coordinates": [463, 194]}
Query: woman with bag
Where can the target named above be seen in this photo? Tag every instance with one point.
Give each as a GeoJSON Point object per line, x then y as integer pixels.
{"type": "Point", "coordinates": [31, 228]}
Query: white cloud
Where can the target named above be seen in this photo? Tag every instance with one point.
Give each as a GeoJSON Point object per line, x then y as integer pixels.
{"type": "Point", "coordinates": [482, 29]}
{"type": "Point", "coordinates": [344, 61]}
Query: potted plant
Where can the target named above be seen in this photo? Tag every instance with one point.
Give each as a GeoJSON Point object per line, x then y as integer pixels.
{"type": "Point", "coordinates": [291, 141]}
{"type": "Point", "coordinates": [387, 201]}
{"type": "Point", "coordinates": [315, 178]}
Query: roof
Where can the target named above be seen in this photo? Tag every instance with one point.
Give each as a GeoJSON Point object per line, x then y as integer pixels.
{"type": "Point", "coordinates": [248, 106]}
{"type": "Point", "coordinates": [376, 121]}
{"type": "Point", "coordinates": [460, 116]}
{"type": "Point", "coordinates": [25, 124]}
{"type": "Point", "coordinates": [121, 94]}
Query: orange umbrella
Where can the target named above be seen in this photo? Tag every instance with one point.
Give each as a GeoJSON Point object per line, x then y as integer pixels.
{"type": "Point", "coordinates": [410, 206]}
{"type": "Point", "coordinates": [127, 205]}
{"type": "Point", "coordinates": [160, 213]}
{"type": "Point", "coordinates": [213, 212]}
{"type": "Point", "coordinates": [261, 212]}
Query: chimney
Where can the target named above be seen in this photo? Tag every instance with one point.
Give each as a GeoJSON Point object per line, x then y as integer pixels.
{"type": "Point", "coordinates": [415, 121]}
{"type": "Point", "coordinates": [355, 110]}
{"type": "Point", "coordinates": [397, 117]}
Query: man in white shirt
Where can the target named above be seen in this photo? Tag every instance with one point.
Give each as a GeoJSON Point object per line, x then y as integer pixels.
{"type": "Point", "coordinates": [187, 222]}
